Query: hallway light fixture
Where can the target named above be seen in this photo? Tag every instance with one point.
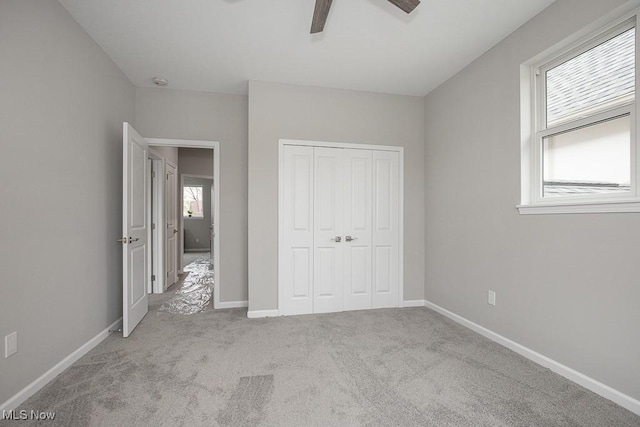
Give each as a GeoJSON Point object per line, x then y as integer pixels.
{"type": "Point", "coordinates": [160, 81]}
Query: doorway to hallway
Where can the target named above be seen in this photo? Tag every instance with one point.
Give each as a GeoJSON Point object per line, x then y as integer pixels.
{"type": "Point", "coordinates": [153, 223]}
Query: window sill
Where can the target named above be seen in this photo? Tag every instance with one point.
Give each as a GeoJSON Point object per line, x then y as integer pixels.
{"type": "Point", "coordinates": [193, 217]}
{"type": "Point", "coordinates": [626, 206]}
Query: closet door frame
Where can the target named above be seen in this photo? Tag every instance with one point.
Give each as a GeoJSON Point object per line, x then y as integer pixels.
{"type": "Point", "coordinates": [400, 150]}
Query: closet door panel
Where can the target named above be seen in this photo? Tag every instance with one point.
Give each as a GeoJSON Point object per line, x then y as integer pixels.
{"type": "Point", "coordinates": [296, 255]}
{"type": "Point", "coordinates": [328, 236]}
{"type": "Point", "coordinates": [358, 206]}
{"type": "Point", "coordinates": [386, 229]}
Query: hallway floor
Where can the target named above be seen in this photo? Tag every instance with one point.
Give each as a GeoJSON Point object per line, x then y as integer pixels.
{"type": "Point", "coordinates": [189, 257]}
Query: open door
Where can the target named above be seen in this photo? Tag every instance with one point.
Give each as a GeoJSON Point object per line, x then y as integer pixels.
{"type": "Point", "coordinates": [135, 227]}
{"type": "Point", "coordinates": [171, 201]}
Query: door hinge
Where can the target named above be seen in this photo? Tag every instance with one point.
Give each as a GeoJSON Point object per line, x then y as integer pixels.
{"type": "Point", "coordinates": [167, 274]}
{"type": "Point", "coordinates": [153, 226]}
{"type": "Point", "coordinates": [167, 176]}
{"type": "Point", "coordinates": [153, 277]}
{"type": "Point", "coordinates": [153, 174]}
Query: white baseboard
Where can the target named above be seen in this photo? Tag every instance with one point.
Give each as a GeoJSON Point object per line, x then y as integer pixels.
{"type": "Point", "coordinates": [256, 314]}
{"type": "Point", "coordinates": [414, 303]}
{"type": "Point", "coordinates": [232, 304]}
{"type": "Point", "coordinates": [57, 369]}
{"type": "Point", "coordinates": [589, 383]}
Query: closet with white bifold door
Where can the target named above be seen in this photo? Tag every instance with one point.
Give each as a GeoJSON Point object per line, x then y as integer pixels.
{"type": "Point", "coordinates": [339, 228]}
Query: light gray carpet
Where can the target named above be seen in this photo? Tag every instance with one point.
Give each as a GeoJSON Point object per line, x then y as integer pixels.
{"type": "Point", "coordinates": [395, 367]}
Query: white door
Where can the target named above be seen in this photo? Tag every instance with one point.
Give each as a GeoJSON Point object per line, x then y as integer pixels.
{"type": "Point", "coordinates": [172, 224]}
{"type": "Point", "coordinates": [358, 195]}
{"type": "Point", "coordinates": [386, 229]}
{"type": "Point", "coordinates": [295, 260]}
{"type": "Point", "coordinates": [328, 233]}
{"type": "Point", "coordinates": [135, 227]}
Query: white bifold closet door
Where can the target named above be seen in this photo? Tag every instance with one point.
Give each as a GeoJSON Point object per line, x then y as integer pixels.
{"type": "Point", "coordinates": [386, 224]}
{"type": "Point", "coordinates": [357, 230]}
{"type": "Point", "coordinates": [339, 248]}
{"type": "Point", "coordinates": [328, 246]}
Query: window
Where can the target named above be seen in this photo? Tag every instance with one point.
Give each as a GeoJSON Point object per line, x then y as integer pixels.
{"type": "Point", "coordinates": [582, 144]}
{"type": "Point", "coordinates": [192, 203]}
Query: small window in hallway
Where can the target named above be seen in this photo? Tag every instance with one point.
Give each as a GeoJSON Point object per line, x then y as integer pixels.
{"type": "Point", "coordinates": [192, 201]}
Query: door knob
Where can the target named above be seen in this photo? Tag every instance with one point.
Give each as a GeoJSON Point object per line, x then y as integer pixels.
{"type": "Point", "coordinates": [337, 239]}
{"type": "Point", "coordinates": [133, 239]}
{"type": "Point", "coordinates": [175, 231]}
{"type": "Point", "coordinates": [122, 240]}
{"type": "Point", "coordinates": [349, 238]}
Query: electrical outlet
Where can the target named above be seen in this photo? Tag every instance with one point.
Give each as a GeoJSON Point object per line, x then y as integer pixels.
{"type": "Point", "coordinates": [492, 298]}
{"type": "Point", "coordinates": [10, 344]}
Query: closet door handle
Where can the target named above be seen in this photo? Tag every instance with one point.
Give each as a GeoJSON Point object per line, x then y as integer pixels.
{"type": "Point", "coordinates": [337, 239]}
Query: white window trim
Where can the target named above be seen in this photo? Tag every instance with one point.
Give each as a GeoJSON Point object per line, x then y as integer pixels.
{"type": "Point", "coordinates": [534, 129]}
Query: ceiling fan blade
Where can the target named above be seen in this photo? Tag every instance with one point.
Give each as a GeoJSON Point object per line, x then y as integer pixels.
{"type": "Point", "coordinates": [406, 5]}
{"type": "Point", "coordinates": [320, 15]}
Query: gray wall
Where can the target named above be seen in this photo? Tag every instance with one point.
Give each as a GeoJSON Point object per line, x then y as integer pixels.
{"type": "Point", "coordinates": [197, 232]}
{"type": "Point", "coordinates": [567, 285]}
{"type": "Point", "coordinates": [295, 112]}
{"type": "Point", "coordinates": [168, 153]}
{"type": "Point", "coordinates": [166, 113]}
{"type": "Point", "coordinates": [61, 112]}
{"type": "Point", "coordinates": [195, 161]}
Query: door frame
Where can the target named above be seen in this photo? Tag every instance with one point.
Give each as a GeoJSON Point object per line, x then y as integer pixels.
{"type": "Point", "coordinates": [345, 145]}
{"type": "Point", "coordinates": [215, 146]}
{"type": "Point", "coordinates": [157, 234]}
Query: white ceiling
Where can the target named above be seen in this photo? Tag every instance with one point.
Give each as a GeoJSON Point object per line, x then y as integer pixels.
{"type": "Point", "coordinates": [218, 45]}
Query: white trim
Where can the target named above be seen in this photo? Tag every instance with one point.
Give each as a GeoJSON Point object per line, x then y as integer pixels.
{"type": "Point", "coordinates": [626, 206]}
{"type": "Point", "coordinates": [349, 145]}
{"type": "Point", "coordinates": [17, 399]}
{"type": "Point", "coordinates": [345, 145]}
{"type": "Point", "coordinates": [257, 314]}
{"type": "Point", "coordinates": [414, 303]}
{"type": "Point", "coordinates": [217, 154]}
{"type": "Point", "coordinates": [589, 383]}
{"type": "Point", "coordinates": [183, 143]}
{"type": "Point", "coordinates": [232, 304]}
{"type": "Point", "coordinates": [400, 227]}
